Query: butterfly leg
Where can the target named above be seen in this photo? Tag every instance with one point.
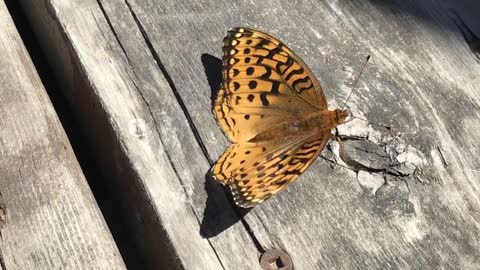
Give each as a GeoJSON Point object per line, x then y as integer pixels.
{"type": "Point", "coordinates": [333, 160]}
{"type": "Point", "coordinates": [336, 136]}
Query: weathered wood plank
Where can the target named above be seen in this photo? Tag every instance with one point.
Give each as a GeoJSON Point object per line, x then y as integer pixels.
{"type": "Point", "coordinates": [49, 218]}
{"type": "Point", "coordinates": [140, 132]}
{"type": "Point", "coordinates": [143, 64]}
{"type": "Point", "coordinates": [422, 68]}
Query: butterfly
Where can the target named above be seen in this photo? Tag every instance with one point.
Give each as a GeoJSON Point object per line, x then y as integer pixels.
{"type": "Point", "coordinates": [272, 109]}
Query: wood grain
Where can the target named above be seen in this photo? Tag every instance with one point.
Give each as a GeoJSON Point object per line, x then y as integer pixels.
{"type": "Point", "coordinates": [142, 137]}
{"type": "Point", "coordinates": [49, 218]}
{"type": "Point", "coordinates": [141, 75]}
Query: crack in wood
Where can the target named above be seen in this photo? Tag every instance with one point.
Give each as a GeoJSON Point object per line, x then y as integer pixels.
{"type": "Point", "coordinates": [251, 233]}
{"type": "Point", "coordinates": [442, 157]}
{"type": "Point", "coordinates": [170, 82]}
{"type": "Point", "coordinates": [115, 34]}
{"type": "Point", "coordinates": [3, 222]}
{"type": "Point", "coordinates": [364, 155]}
{"type": "Point", "coordinates": [3, 214]}
{"type": "Point", "coordinates": [2, 261]}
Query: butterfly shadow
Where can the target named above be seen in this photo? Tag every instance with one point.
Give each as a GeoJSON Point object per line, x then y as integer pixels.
{"type": "Point", "coordinates": [213, 70]}
{"type": "Point", "coordinates": [220, 211]}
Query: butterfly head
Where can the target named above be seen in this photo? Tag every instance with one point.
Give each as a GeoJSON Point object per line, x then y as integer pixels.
{"type": "Point", "coordinates": [341, 116]}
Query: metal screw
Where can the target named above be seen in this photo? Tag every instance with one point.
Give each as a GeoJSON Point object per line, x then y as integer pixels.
{"type": "Point", "coordinates": [276, 259]}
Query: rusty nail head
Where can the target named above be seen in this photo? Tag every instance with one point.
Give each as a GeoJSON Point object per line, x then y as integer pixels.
{"type": "Point", "coordinates": [276, 259]}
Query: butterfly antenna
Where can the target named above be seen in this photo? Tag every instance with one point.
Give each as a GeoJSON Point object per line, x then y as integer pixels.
{"type": "Point", "coordinates": [356, 81]}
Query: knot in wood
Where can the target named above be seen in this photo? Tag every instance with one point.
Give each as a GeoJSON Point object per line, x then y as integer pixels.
{"type": "Point", "coordinates": [276, 259]}
{"type": "Point", "coordinates": [364, 155]}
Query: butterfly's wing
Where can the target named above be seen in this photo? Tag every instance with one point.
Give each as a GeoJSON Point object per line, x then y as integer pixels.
{"type": "Point", "coordinates": [256, 171]}
{"type": "Point", "coordinates": [264, 84]}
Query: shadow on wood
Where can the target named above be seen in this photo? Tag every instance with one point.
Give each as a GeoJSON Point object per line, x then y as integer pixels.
{"type": "Point", "coordinates": [460, 12]}
{"type": "Point", "coordinates": [216, 216]}
{"type": "Point", "coordinates": [213, 70]}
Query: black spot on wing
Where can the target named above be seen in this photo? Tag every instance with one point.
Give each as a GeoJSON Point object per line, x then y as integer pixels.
{"type": "Point", "coordinates": [235, 72]}
{"type": "Point", "coordinates": [237, 99]}
{"type": "Point", "coordinates": [252, 85]}
{"type": "Point", "coordinates": [263, 98]}
{"type": "Point", "coordinates": [236, 85]}
{"type": "Point", "coordinates": [275, 86]}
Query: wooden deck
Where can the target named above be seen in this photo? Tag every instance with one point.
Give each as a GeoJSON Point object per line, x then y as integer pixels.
{"type": "Point", "coordinates": [140, 76]}
{"type": "Point", "coordinates": [50, 219]}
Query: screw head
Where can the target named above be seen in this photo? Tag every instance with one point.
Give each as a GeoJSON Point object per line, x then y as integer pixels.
{"type": "Point", "coordinates": [276, 259]}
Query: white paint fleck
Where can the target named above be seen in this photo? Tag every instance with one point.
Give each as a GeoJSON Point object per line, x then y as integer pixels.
{"type": "Point", "coordinates": [336, 152]}
{"type": "Point", "coordinates": [137, 128]}
{"type": "Point", "coordinates": [315, 32]}
{"type": "Point", "coordinates": [335, 8]}
{"type": "Point", "coordinates": [186, 193]}
{"type": "Point", "coordinates": [356, 128]}
{"type": "Point", "coordinates": [413, 225]}
{"type": "Point", "coordinates": [372, 181]}
{"type": "Point", "coordinates": [375, 136]}
{"type": "Point", "coordinates": [412, 155]}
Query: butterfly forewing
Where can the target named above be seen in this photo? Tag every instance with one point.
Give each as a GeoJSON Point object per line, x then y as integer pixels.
{"type": "Point", "coordinates": [265, 87]}
{"type": "Point", "coordinates": [263, 83]}
{"type": "Point", "coordinates": [250, 48]}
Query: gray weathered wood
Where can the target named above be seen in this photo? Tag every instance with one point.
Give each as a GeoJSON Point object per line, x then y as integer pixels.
{"type": "Point", "coordinates": [140, 133]}
{"type": "Point", "coordinates": [142, 65]}
{"type": "Point", "coordinates": [49, 218]}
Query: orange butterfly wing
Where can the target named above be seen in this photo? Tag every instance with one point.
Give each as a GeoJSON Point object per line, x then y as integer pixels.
{"type": "Point", "coordinates": [264, 82]}
{"type": "Point", "coordinates": [256, 176]}
{"type": "Point", "coordinates": [265, 87]}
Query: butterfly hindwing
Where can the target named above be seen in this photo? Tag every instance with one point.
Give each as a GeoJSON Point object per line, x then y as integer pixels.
{"type": "Point", "coordinates": [256, 171]}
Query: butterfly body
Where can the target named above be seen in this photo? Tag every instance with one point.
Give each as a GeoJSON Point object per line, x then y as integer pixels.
{"type": "Point", "coordinates": [319, 122]}
{"type": "Point", "coordinates": [273, 110]}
